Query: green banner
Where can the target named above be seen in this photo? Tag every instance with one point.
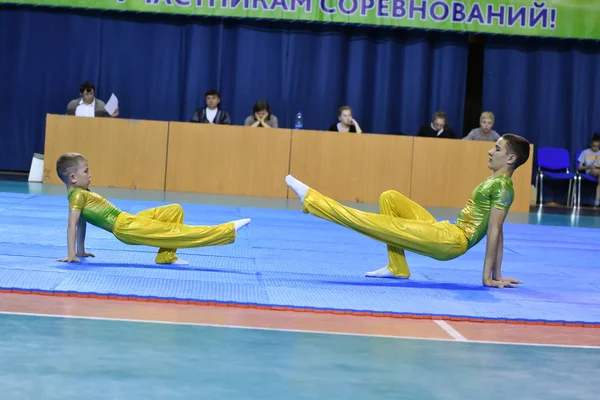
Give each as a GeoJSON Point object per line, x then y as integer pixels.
{"type": "Point", "coordinates": [579, 19]}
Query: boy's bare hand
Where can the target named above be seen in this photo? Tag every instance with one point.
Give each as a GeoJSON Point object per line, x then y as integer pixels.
{"type": "Point", "coordinates": [69, 259]}
{"type": "Point", "coordinates": [85, 255]}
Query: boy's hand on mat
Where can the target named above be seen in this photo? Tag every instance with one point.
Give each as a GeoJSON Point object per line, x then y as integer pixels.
{"type": "Point", "coordinates": [498, 284]}
{"type": "Point", "coordinates": [85, 255]}
{"type": "Point", "coordinates": [69, 259]}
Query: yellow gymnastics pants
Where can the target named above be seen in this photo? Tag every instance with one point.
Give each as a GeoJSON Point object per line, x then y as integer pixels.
{"type": "Point", "coordinates": [163, 227]}
{"type": "Point", "coordinates": [402, 224]}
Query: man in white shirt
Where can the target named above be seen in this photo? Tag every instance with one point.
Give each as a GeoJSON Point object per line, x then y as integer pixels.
{"type": "Point", "coordinates": [212, 113]}
{"type": "Point", "coordinates": [88, 105]}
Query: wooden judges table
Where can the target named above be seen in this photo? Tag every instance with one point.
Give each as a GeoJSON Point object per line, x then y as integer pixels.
{"type": "Point", "coordinates": [235, 160]}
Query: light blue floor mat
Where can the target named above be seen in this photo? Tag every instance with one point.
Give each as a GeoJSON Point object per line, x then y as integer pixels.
{"type": "Point", "coordinates": [290, 259]}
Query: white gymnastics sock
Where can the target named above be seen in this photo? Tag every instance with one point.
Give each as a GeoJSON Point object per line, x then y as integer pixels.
{"type": "Point", "coordinates": [240, 223]}
{"type": "Point", "coordinates": [383, 273]}
{"type": "Point", "coordinates": [298, 187]}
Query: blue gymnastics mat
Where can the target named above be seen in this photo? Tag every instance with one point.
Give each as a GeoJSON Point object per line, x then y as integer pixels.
{"type": "Point", "coordinates": [289, 259]}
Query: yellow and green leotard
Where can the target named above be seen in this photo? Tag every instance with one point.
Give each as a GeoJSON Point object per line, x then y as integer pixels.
{"type": "Point", "coordinates": [160, 227]}
{"type": "Point", "coordinates": [404, 225]}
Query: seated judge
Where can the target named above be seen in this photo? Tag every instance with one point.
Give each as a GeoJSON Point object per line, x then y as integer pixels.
{"type": "Point", "coordinates": [212, 113]}
{"type": "Point", "coordinates": [437, 127]}
{"type": "Point", "coordinates": [485, 131]}
{"type": "Point", "coordinates": [88, 105]}
{"type": "Point", "coordinates": [346, 122]}
{"type": "Point", "coordinates": [261, 116]}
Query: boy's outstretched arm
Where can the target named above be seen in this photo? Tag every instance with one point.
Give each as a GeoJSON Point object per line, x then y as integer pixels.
{"type": "Point", "coordinates": [493, 252]}
{"type": "Point", "coordinates": [81, 226]}
{"type": "Point", "coordinates": [71, 236]}
{"type": "Point", "coordinates": [497, 269]}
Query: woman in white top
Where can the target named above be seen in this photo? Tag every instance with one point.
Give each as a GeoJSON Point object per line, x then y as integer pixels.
{"type": "Point", "coordinates": [589, 162]}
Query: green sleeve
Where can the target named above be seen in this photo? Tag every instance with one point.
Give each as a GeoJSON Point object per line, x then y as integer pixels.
{"type": "Point", "coordinates": [76, 200]}
{"type": "Point", "coordinates": [502, 195]}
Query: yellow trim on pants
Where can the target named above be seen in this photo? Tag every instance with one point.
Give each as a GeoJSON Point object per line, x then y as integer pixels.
{"type": "Point", "coordinates": [402, 224]}
{"type": "Point", "coordinates": [163, 227]}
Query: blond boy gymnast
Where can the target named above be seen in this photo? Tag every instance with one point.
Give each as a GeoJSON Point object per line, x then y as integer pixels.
{"type": "Point", "coordinates": [160, 227]}
{"type": "Point", "coordinates": [404, 225]}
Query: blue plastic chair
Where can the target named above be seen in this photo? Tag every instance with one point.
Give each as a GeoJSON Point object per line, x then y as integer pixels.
{"type": "Point", "coordinates": [552, 161]}
{"type": "Point", "coordinates": [578, 178]}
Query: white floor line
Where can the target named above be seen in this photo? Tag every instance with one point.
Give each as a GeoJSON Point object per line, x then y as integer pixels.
{"type": "Point", "coordinates": [295, 330]}
{"type": "Point", "coordinates": [451, 331]}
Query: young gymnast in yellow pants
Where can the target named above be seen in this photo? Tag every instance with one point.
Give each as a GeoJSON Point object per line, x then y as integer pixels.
{"type": "Point", "coordinates": [404, 225]}
{"type": "Point", "coordinates": [160, 227]}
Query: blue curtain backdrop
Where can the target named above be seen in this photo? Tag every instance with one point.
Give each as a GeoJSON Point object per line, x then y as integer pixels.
{"type": "Point", "coordinates": [160, 67]}
{"type": "Point", "coordinates": [43, 60]}
{"type": "Point", "coordinates": [545, 90]}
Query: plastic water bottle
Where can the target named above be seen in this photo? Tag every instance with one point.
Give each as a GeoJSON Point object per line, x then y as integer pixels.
{"type": "Point", "coordinates": [299, 122]}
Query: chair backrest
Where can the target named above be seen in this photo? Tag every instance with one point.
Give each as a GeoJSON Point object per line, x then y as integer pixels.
{"type": "Point", "coordinates": [553, 158]}
{"type": "Point", "coordinates": [577, 158]}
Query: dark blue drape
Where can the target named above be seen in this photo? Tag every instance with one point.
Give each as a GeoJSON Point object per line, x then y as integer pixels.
{"type": "Point", "coordinates": [253, 62]}
{"type": "Point", "coordinates": [545, 90]}
{"type": "Point", "coordinates": [143, 64]}
{"type": "Point", "coordinates": [43, 61]}
{"type": "Point", "coordinates": [160, 67]}
{"type": "Point", "coordinates": [394, 80]}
